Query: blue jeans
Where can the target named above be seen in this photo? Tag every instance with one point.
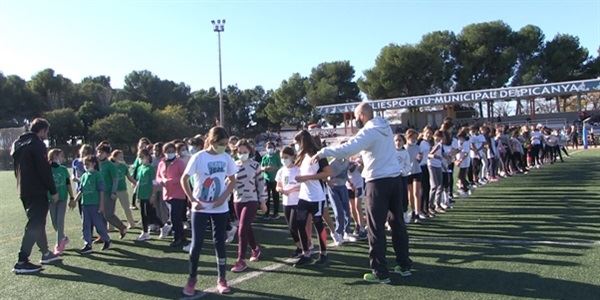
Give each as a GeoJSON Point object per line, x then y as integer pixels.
{"type": "Point", "coordinates": [91, 216]}
{"type": "Point", "coordinates": [341, 208]}
{"type": "Point", "coordinates": [219, 225]}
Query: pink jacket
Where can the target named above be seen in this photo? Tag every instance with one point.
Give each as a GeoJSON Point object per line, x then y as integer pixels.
{"type": "Point", "coordinates": [169, 178]}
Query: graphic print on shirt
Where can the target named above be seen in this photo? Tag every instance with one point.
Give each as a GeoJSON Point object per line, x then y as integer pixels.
{"type": "Point", "coordinates": [211, 187]}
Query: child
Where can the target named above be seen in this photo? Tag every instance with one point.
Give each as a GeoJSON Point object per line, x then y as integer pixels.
{"type": "Point", "coordinates": [414, 177]}
{"type": "Point", "coordinates": [290, 189]}
{"type": "Point", "coordinates": [168, 176]}
{"type": "Point", "coordinates": [463, 161]}
{"type": "Point", "coordinates": [248, 194]}
{"type": "Point", "coordinates": [355, 186]}
{"type": "Point", "coordinates": [271, 162]}
{"type": "Point", "coordinates": [434, 164]}
{"type": "Point", "coordinates": [116, 157]}
{"type": "Point", "coordinates": [404, 159]}
{"type": "Point", "coordinates": [92, 193]}
{"type": "Point", "coordinates": [59, 208]}
{"type": "Point", "coordinates": [425, 144]}
{"type": "Point", "coordinates": [146, 192]}
{"type": "Point", "coordinates": [213, 172]}
{"type": "Point", "coordinates": [109, 176]}
{"type": "Point", "coordinates": [79, 167]}
{"type": "Point", "coordinates": [143, 143]}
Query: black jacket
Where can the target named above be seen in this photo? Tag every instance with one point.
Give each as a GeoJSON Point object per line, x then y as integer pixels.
{"type": "Point", "coordinates": [34, 176]}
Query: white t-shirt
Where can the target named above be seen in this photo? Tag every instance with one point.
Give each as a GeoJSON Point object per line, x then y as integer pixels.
{"type": "Point", "coordinates": [436, 162]}
{"type": "Point", "coordinates": [287, 177]}
{"type": "Point", "coordinates": [209, 172]}
{"type": "Point", "coordinates": [312, 190]}
{"type": "Point", "coordinates": [477, 141]}
{"type": "Point", "coordinates": [465, 148]}
{"type": "Point", "coordinates": [424, 148]}
{"type": "Point", "coordinates": [354, 177]}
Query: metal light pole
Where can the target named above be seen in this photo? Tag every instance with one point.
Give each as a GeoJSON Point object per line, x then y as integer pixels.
{"type": "Point", "coordinates": [219, 26]}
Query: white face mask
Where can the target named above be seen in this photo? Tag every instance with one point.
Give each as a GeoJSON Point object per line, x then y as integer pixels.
{"type": "Point", "coordinates": [270, 150]}
{"type": "Point", "coordinates": [170, 156]}
{"type": "Point", "coordinates": [287, 162]}
{"type": "Point", "coordinates": [297, 148]}
{"type": "Point", "coordinates": [89, 169]}
{"type": "Point", "coordinates": [192, 149]}
{"type": "Point", "coordinates": [244, 157]}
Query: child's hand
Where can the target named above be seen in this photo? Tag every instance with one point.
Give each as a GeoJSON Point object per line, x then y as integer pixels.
{"type": "Point", "coordinates": [72, 204]}
{"type": "Point", "coordinates": [198, 205]}
{"type": "Point", "coordinates": [101, 209]}
{"type": "Point", "coordinates": [263, 207]}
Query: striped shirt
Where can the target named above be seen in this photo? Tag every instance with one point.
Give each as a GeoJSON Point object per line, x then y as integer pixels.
{"type": "Point", "coordinates": [250, 182]}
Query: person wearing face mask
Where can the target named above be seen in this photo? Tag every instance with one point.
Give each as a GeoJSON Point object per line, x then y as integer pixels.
{"type": "Point", "coordinates": [168, 176]}
{"type": "Point", "coordinates": [183, 152]}
{"type": "Point", "coordinates": [270, 164]}
{"type": "Point", "coordinates": [196, 144]}
{"type": "Point", "coordinates": [143, 143]}
{"type": "Point", "coordinates": [213, 172]}
{"type": "Point", "coordinates": [382, 172]}
{"type": "Point", "coordinates": [146, 191]}
{"type": "Point", "coordinates": [116, 157]}
{"type": "Point", "coordinates": [59, 208]}
{"type": "Point", "coordinates": [108, 171]}
{"type": "Point", "coordinates": [249, 193]}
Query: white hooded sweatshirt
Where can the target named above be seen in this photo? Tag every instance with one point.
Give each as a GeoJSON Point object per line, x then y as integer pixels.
{"type": "Point", "coordinates": [375, 142]}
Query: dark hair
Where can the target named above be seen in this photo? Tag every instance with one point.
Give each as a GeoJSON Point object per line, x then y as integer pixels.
{"type": "Point", "coordinates": [474, 127]}
{"type": "Point", "coordinates": [402, 138]}
{"type": "Point", "coordinates": [103, 148]}
{"type": "Point", "coordinates": [289, 151]}
{"type": "Point", "coordinates": [307, 145]}
{"type": "Point", "coordinates": [144, 153]}
{"type": "Point", "coordinates": [158, 147]}
{"type": "Point", "coordinates": [92, 159]}
{"type": "Point", "coordinates": [411, 132]}
{"type": "Point", "coordinates": [143, 140]}
{"type": "Point", "coordinates": [245, 143]}
{"type": "Point", "coordinates": [180, 147]}
{"type": "Point", "coordinates": [167, 146]}
{"type": "Point", "coordinates": [270, 144]}
{"type": "Point", "coordinates": [39, 124]}
{"type": "Point", "coordinates": [216, 134]}
{"type": "Point", "coordinates": [197, 141]}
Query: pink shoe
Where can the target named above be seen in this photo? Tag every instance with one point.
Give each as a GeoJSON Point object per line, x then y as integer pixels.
{"type": "Point", "coordinates": [222, 287]}
{"type": "Point", "coordinates": [256, 254]}
{"type": "Point", "coordinates": [63, 244]}
{"type": "Point", "coordinates": [56, 250]}
{"type": "Point", "coordinates": [240, 266]}
{"type": "Point", "coordinates": [190, 288]}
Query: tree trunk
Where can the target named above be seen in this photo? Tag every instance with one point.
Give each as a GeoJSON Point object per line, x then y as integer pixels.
{"type": "Point", "coordinates": [480, 110]}
{"type": "Point", "coordinates": [557, 104]}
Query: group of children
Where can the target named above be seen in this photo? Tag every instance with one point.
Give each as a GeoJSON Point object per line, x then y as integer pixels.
{"type": "Point", "coordinates": [203, 179]}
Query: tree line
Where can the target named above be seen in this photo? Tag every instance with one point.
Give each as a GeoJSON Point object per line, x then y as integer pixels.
{"type": "Point", "coordinates": [482, 55]}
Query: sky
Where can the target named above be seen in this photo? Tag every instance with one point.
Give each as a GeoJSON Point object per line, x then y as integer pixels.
{"type": "Point", "coordinates": [264, 41]}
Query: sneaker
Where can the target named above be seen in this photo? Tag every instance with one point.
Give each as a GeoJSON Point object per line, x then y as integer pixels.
{"type": "Point", "coordinates": [186, 225]}
{"type": "Point", "coordinates": [322, 259]}
{"type": "Point", "coordinates": [349, 238]}
{"type": "Point", "coordinates": [362, 235]}
{"type": "Point", "coordinates": [256, 254]}
{"type": "Point", "coordinates": [133, 207]}
{"type": "Point", "coordinates": [407, 217]}
{"type": "Point", "coordinates": [303, 260]}
{"type": "Point", "coordinates": [49, 257]}
{"type": "Point", "coordinates": [404, 272]}
{"type": "Point", "coordinates": [231, 234]}
{"type": "Point", "coordinates": [26, 267]}
{"type": "Point", "coordinates": [62, 245]}
{"type": "Point", "coordinates": [370, 277]}
{"type": "Point", "coordinates": [222, 287]}
{"type": "Point", "coordinates": [275, 217]}
{"type": "Point", "coordinates": [240, 266]}
{"type": "Point", "coordinates": [190, 287]}
{"type": "Point", "coordinates": [164, 231]}
{"type": "Point", "coordinates": [338, 240]}
{"type": "Point", "coordinates": [56, 250]}
{"type": "Point", "coordinates": [421, 216]}
{"type": "Point", "coordinates": [87, 249]}
{"type": "Point", "coordinates": [297, 253]}
{"type": "Point", "coordinates": [130, 226]}
{"type": "Point", "coordinates": [144, 236]}
{"type": "Point", "coordinates": [106, 246]}
{"type": "Point", "coordinates": [187, 248]}
{"type": "Point", "coordinates": [122, 232]}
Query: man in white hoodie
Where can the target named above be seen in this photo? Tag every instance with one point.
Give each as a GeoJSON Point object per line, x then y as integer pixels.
{"type": "Point", "coordinates": [382, 173]}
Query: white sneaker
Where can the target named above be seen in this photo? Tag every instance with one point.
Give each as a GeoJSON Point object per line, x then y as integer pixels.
{"type": "Point", "coordinates": [349, 238]}
{"type": "Point", "coordinates": [338, 240]}
{"type": "Point", "coordinates": [407, 217]}
{"type": "Point", "coordinates": [143, 237]}
{"type": "Point", "coordinates": [187, 248]}
{"type": "Point", "coordinates": [231, 234]}
{"type": "Point", "coordinates": [164, 232]}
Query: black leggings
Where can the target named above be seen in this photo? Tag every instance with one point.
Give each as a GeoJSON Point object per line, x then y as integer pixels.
{"type": "Point", "coordinates": [149, 215]}
{"type": "Point", "coordinates": [290, 216]}
{"type": "Point", "coordinates": [315, 209]}
{"type": "Point", "coordinates": [462, 178]}
{"type": "Point", "coordinates": [425, 187]}
{"type": "Point", "coordinates": [272, 194]}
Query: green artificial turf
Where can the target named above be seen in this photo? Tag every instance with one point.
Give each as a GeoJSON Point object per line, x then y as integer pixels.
{"type": "Point", "coordinates": [527, 236]}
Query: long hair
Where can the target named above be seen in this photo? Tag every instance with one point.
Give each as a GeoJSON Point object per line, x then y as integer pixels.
{"type": "Point", "coordinates": [216, 134]}
{"type": "Point", "coordinates": [307, 145]}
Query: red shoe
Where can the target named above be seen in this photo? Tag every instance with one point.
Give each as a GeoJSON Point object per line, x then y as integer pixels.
{"type": "Point", "coordinates": [222, 287]}
{"type": "Point", "coordinates": [240, 266]}
{"type": "Point", "coordinates": [256, 254]}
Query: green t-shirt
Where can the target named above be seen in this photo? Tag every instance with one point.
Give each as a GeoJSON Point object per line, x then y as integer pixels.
{"type": "Point", "coordinates": [109, 173]}
{"type": "Point", "coordinates": [91, 186]}
{"type": "Point", "coordinates": [271, 160]}
{"type": "Point", "coordinates": [122, 170]}
{"type": "Point", "coordinates": [134, 167]}
{"type": "Point", "coordinates": [62, 181]}
{"type": "Point", "coordinates": [145, 176]}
